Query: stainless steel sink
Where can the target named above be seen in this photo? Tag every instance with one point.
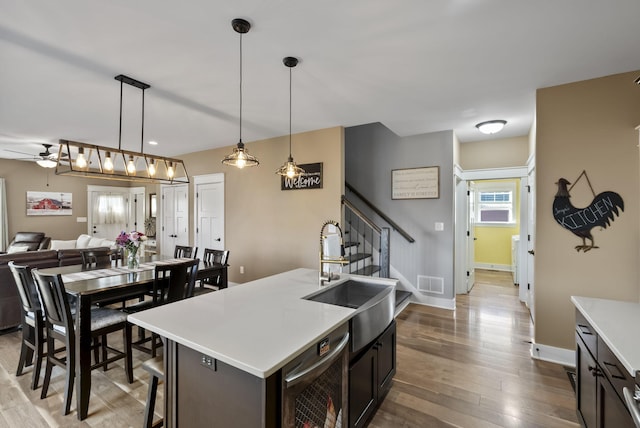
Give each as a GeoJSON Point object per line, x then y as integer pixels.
{"type": "Point", "coordinates": [374, 304]}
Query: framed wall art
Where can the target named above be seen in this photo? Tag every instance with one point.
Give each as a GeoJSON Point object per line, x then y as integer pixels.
{"type": "Point", "coordinates": [311, 179]}
{"type": "Point", "coordinates": [49, 203]}
{"type": "Point", "coordinates": [415, 183]}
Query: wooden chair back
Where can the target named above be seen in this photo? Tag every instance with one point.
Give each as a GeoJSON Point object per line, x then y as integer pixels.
{"type": "Point", "coordinates": [56, 307]}
{"type": "Point", "coordinates": [215, 256]}
{"type": "Point", "coordinates": [184, 251]}
{"type": "Point", "coordinates": [171, 282]}
{"type": "Point", "coordinates": [96, 258]}
{"type": "Point", "coordinates": [26, 288]}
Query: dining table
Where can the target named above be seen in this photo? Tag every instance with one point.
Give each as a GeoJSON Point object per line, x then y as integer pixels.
{"type": "Point", "coordinates": [118, 282]}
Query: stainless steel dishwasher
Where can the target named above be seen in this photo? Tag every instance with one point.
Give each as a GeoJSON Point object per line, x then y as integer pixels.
{"type": "Point", "coordinates": [315, 384]}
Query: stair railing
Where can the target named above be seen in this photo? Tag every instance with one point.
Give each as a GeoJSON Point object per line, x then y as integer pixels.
{"type": "Point", "coordinates": [376, 210]}
{"type": "Point", "coordinates": [360, 231]}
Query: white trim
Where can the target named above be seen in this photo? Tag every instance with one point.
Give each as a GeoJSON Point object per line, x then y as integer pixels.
{"type": "Point", "coordinates": [417, 296]}
{"type": "Point", "coordinates": [565, 357]}
{"type": "Point", "coordinates": [495, 173]}
{"type": "Point", "coordinates": [208, 178]}
{"type": "Point", "coordinates": [491, 266]}
{"type": "Point", "coordinates": [217, 177]}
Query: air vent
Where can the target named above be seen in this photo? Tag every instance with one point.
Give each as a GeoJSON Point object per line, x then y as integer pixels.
{"type": "Point", "coordinates": [430, 284]}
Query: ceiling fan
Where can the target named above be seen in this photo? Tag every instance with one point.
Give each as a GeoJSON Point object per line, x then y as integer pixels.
{"type": "Point", "coordinates": [45, 159]}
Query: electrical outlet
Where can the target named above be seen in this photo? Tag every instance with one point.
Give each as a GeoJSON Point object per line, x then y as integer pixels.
{"type": "Point", "coordinates": [439, 226]}
{"type": "Point", "coordinates": [241, 270]}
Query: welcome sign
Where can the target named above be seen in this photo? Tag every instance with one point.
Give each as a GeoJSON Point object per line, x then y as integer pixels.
{"type": "Point", "coordinates": [311, 179]}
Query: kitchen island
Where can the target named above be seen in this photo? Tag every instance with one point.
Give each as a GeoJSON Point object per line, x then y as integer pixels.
{"type": "Point", "coordinates": [234, 343]}
{"type": "Point", "coordinates": [607, 360]}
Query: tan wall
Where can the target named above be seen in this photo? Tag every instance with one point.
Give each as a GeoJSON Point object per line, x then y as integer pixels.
{"type": "Point", "coordinates": [269, 230]}
{"type": "Point", "coordinates": [501, 153]}
{"type": "Point", "coordinates": [588, 126]}
{"type": "Point", "coordinates": [22, 177]}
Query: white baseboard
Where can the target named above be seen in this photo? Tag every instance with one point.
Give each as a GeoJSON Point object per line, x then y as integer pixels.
{"type": "Point", "coordinates": [490, 266]}
{"type": "Point", "coordinates": [565, 357]}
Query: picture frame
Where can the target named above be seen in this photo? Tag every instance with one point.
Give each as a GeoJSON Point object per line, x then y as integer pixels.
{"type": "Point", "coordinates": [49, 203]}
{"type": "Point", "coordinates": [311, 179]}
{"type": "Point", "coordinates": [415, 183]}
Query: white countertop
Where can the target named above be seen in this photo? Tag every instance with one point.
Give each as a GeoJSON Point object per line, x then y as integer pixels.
{"type": "Point", "coordinates": [258, 326]}
{"type": "Point", "coordinates": [615, 323]}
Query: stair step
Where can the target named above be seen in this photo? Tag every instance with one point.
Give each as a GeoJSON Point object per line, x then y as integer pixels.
{"type": "Point", "coordinates": [357, 257]}
{"type": "Point", "coordinates": [367, 270]}
{"type": "Point", "coordinates": [401, 296]}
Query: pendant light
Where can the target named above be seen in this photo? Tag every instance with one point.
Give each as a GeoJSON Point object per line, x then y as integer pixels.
{"type": "Point", "coordinates": [240, 156]}
{"type": "Point", "coordinates": [289, 169]}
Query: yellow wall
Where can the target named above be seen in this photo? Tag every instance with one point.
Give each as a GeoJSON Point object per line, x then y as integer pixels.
{"type": "Point", "coordinates": [586, 125]}
{"type": "Point", "coordinates": [493, 243]}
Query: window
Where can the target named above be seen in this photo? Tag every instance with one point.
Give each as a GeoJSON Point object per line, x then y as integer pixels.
{"type": "Point", "coordinates": [495, 203]}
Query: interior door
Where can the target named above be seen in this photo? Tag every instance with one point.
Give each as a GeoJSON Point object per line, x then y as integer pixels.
{"type": "Point", "coordinates": [531, 196]}
{"type": "Point", "coordinates": [471, 235]}
{"type": "Point", "coordinates": [210, 215]}
{"type": "Point", "coordinates": [168, 228]}
{"type": "Point", "coordinates": [175, 217]}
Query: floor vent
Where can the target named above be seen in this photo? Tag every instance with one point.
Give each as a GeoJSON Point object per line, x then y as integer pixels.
{"type": "Point", "coordinates": [430, 284]}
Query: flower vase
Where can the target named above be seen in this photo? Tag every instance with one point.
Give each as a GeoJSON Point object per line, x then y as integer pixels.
{"type": "Point", "coordinates": [133, 259]}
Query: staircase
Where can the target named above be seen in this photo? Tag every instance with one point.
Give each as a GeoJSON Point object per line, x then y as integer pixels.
{"type": "Point", "coordinates": [366, 247]}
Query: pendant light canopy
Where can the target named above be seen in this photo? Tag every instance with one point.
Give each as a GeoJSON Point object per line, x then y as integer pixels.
{"type": "Point", "coordinates": [240, 156]}
{"type": "Point", "coordinates": [290, 169]}
{"type": "Point", "coordinates": [89, 160]}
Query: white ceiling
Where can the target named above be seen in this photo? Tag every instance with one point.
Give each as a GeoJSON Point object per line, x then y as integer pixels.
{"type": "Point", "coordinates": [417, 66]}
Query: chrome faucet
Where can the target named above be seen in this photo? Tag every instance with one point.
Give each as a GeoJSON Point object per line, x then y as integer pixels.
{"type": "Point", "coordinates": [329, 276]}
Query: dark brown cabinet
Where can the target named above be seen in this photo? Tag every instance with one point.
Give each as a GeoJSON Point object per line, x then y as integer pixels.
{"type": "Point", "coordinates": [370, 376]}
{"type": "Point", "coordinates": [599, 382]}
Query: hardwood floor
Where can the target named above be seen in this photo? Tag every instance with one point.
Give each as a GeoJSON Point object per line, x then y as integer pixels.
{"type": "Point", "coordinates": [471, 367]}
{"type": "Point", "coordinates": [464, 368]}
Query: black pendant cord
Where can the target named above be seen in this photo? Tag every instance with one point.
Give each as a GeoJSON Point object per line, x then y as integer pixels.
{"type": "Point", "coordinates": [142, 130]}
{"type": "Point", "coordinates": [240, 88]}
{"type": "Point", "coordinates": [290, 98]}
{"type": "Point", "coordinates": [120, 130]}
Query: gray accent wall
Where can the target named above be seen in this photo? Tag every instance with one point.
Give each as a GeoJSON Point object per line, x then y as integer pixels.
{"type": "Point", "coordinates": [372, 151]}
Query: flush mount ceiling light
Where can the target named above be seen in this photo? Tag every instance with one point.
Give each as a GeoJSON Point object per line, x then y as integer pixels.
{"type": "Point", "coordinates": [89, 160]}
{"type": "Point", "coordinates": [491, 126]}
{"type": "Point", "coordinates": [290, 169]}
{"type": "Point", "coordinates": [240, 156]}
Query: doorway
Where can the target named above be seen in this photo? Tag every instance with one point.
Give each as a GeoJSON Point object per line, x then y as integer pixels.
{"type": "Point", "coordinates": [112, 210]}
{"type": "Point", "coordinates": [463, 210]}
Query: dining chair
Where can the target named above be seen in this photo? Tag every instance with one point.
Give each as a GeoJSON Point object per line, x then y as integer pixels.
{"type": "Point", "coordinates": [155, 367]}
{"type": "Point", "coordinates": [212, 256]}
{"type": "Point", "coordinates": [184, 251]}
{"type": "Point", "coordinates": [96, 258]}
{"type": "Point", "coordinates": [171, 282]}
{"type": "Point", "coordinates": [33, 323]}
{"type": "Point", "coordinates": [60, 327]}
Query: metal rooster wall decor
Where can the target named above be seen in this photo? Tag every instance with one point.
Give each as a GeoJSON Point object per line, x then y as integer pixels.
{"type": "Point", "coordinates": [580, 221]}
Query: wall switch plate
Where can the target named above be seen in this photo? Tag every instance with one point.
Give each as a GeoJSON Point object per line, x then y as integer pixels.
{"type": "Point", "coordinates": [81, 219]}
{"type": "Point", "coordinates": [439, 226]}
{"type": "Point", "coordinates": [242, 270]}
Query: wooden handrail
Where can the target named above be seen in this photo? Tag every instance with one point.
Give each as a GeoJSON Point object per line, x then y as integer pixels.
{"type": "Point", "coordinates": [375, 209]}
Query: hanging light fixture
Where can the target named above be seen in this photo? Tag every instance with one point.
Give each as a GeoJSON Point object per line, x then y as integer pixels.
{"type": "Point", "coordinates": [491, 126]}
{"type": "Point", "coordinates": [290, 169]}
{"type": "Point", "coordinates": [240, 156]}
{"type": "Point", "coordinates": [88, 160]}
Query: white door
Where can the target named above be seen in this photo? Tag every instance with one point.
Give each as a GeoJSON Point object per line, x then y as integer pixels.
{"type": "Point", "coordinates": [471, 236]}
{"type": "Point", "coordinates": [112, 210]}
{"type": "Point", "coordinates": [461, 216]}
{"type": "Point", "coordinates": [531, 242]}
{"type": "Point", "coordinates": [175, 217]}
{"type": "Point", "coordinates": [209, 197]}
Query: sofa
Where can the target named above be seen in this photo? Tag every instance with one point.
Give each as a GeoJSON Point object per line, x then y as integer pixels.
{"type": "Point", "coordinates": [82, 242]}
{"type": "Point", "coordinates": [28, 241]}
{"type": "Point", "coordinates": [10, 305]}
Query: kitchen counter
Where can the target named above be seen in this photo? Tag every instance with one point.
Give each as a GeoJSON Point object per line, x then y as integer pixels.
{"type": "Point", "coordinates": [257, 327]}
{"type": "Point", "coordinates": [614, 321]}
